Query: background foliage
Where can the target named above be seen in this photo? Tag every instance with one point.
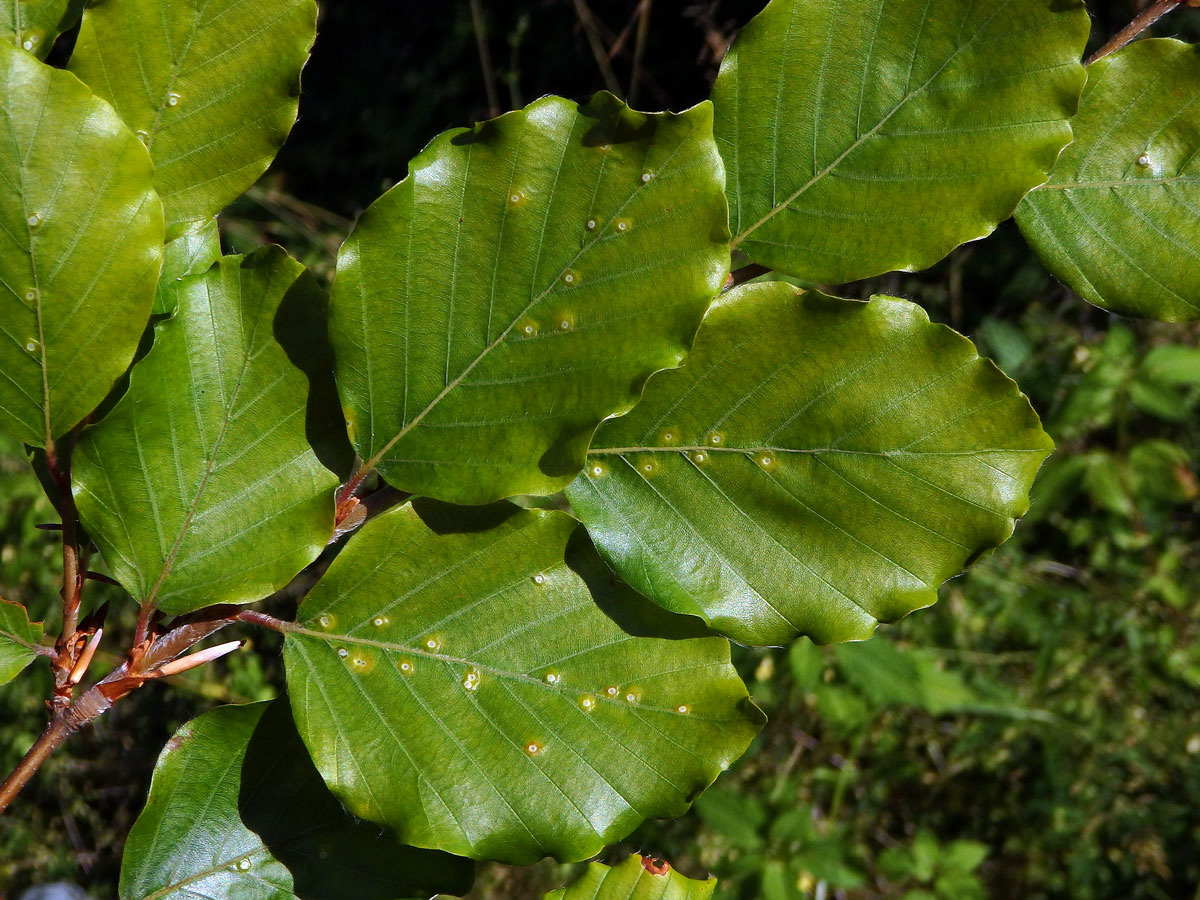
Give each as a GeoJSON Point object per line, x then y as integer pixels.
{"type": "Point", "coordinates": [1055, 739]}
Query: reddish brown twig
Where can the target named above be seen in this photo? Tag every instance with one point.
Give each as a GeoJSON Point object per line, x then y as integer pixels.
{"type": "Point", "coordinates": [1140, 23]}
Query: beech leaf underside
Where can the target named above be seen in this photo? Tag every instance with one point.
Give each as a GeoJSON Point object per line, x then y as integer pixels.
{"type": "Point", "coordinates": [236, 809]}
{"type": "Point", "coordinates": [864, 136]}
{"type": "Point", "coordinates": [212, 88]}
{"type": "Point", "coordinates": [1119, 218]}
{"type": "Point", "coordinates": [201, 486]}
{"type": "Point", "coordinates": [519, 286]}
{"type": "Point", "coordinates": [481, 689]}
{"type": "Point", "coordinates": [81, 233]}
{"type": "Point", "coordinates": [817, 465]}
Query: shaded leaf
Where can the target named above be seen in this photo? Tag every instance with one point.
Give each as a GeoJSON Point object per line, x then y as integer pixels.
{"type": "Point", "coordinates": [81, 234]}
{"type": "Point", "coordinates": [188, 254]}
{"type": "Point", "coordinates": [472, 684]}
{"type": "Point", "coordinates": [519, 286]}
{"type": "Point", "coordinates": [236, 809]}
{"type": "Point", "coordinates": [863, 136]}
{"type": "Point", "coordinates": [34, 24]}
{"type": "Point", "coordinates": [18, 639]}
{"type": "Point", "coordinates": [637, 878]}
{"type": "Point", "coordinates": [201, 486]}
{"type": "Point", "coordinates": [1117, 219]}
{"type": "Point", "coordinates": [817, 465]}
{"type": "Point", "coordinates": [211, 88]}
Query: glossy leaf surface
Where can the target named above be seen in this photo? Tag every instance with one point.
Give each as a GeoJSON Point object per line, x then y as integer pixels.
{"type": "Point", "coordinates": [637, 878]}
{"type": "Point", "coordinates": [236, 810]}
{"type": "Point", "coordinates": [1119, 218]}
{"type": "Point", "coordinates": [212, 88]}
{"type": "Point", "coordinates": [18, 639]}
{"type": "Point", "coordinates": [817, 465]}
{"type": "Point", "coordinates": [33, 25]}
{"type": "Point", "coordinates": [201, 486]}
{"type": "Point", "coordinates": [479, 687]}
{"type": "Point", "coordinates": [519, 286]}
{"type": "Point", "coordinates": [81, 233]}
{"type": "Point", "coordinates": [863, 136]}
{"type": "Point", "coordinates": [188, 254]}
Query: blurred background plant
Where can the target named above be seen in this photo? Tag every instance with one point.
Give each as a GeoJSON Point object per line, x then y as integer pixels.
{"type": "Point", "coordinates": [1036, 734]}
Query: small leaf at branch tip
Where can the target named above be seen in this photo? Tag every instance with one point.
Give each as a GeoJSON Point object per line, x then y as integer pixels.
{"type": "Point", "coordinates": [199, 658]}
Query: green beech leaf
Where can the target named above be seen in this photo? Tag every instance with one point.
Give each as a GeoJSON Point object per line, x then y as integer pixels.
{"type": "Point", "coordinates": [212, 88]}
{"type": "Point", "coordinates": [18, 640]}
{"type": "Point", "coordinates": [863, 136]}
{"type": "Point", "coordinates": [478, 687]}
{"type": "Point", "coordinates": [236, 809]}
{"type": "Point", "coordinates": [188, 254]}
{"type": "Point", "coordinates": [34, 24]}
{"type": "Point", "coordinates": [637, 878]}
{"type": "Point", "coordinates": [817, 465]}
{"type": "Point", "coordinates": [81, 233]}
{"type": "Point", "coordinates": [519, 286]}
{"type": "Point", "coordinates": [1117, 219]}
{"type": "Point", "coordinates": [200, 486]}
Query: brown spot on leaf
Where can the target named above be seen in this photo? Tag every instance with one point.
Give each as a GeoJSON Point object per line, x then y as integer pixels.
{"type": "Point", "coordinates": [655, 866]}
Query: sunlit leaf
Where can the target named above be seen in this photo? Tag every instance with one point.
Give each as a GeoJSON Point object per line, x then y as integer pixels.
{"type": "Point", "coordinates": [188, 254]}
{"type": "Point", "coordinates": [816, 466]}
{"type": "Point", "coordinates": [18, 639]}
{"type": "Point", "coordinates": [1117, 220]}
{"type": "Point", "coordinates": [201, 486]}
{"type": "Point", "coordinates": [637, 878]}
{"type": "Point", "coordinates": [81, 233]}
{"type": "Point", "coordinates": [475, 684]}
{"type": "Point", "coordinates": [236, 810]}
{"type": "Point", "coordinates": [519, 286]}
{"type": "Point", "coordinates": [212, 88]}
{"type": "Point", "coordinates": [863, 136]}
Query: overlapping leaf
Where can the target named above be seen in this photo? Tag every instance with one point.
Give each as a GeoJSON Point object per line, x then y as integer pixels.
{"type": "Point", "coordinates": [236, 809]}
{"type": "Point", "coordinates": [464, 682]}
{"type": "Point", "coordinates": [816, 466]}
{"type": "Point", "coordinates": [18, 640]}
{"type": "Point", "coordinates": [34, 24]}
{"type": "Point", "coordinates": [81, 232]}
{"type": "Point", "coordinates": [637, 878]}
{"type": "Point", "coordinates": [863, 136]}
{"type": "Point", "coordinates": [1119, 218]}
{"type": "Point", "coordinates": [189, 254]}
{"type": "Point", "coordinates": [519, 286]}
{"type": "Point", "coordinates": [201, 486]}
{"type": "Point", "coordinates": [212, 88]}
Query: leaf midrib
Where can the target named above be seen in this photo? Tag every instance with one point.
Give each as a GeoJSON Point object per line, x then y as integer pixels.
{"type": "Point", "coordinates": [775, 210]}
{"type": "Point", "coordinates": [686, 448]}
{"type": "Point", "coordinates": [598, 693]}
